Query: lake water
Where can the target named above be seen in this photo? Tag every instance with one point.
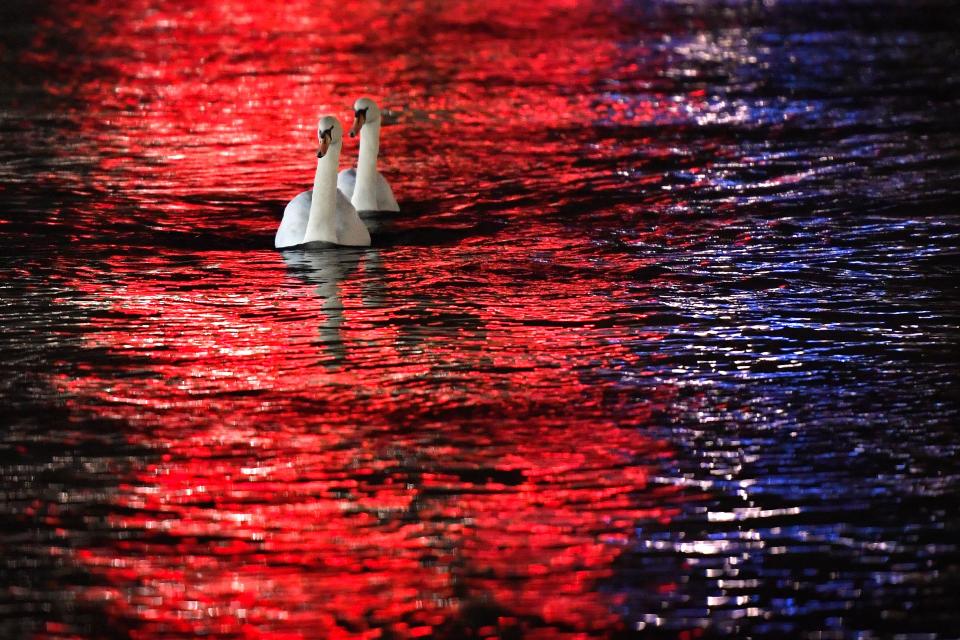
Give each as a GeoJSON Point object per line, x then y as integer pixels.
{"type": "Point", "coordinates": [663, 343]}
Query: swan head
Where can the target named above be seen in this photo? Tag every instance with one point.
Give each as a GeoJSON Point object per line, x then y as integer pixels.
{"type": "Point", "coordinates": [329, 133]}
{"type": "Point", "coordinates": [364, 110]}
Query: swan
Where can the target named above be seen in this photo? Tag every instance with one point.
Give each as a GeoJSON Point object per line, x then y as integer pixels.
{"type": "Point", "coordinates": [366, 187]}
{"type": "Point", "coordinates": [323, 214]}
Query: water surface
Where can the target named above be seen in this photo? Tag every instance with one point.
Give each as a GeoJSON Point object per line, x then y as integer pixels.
{"type": "Point", "coordinates": [663, 343]}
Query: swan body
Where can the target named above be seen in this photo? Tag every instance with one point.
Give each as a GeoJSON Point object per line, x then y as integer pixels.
{"type": "Point", "coordinates": [349, 229]}
{"type": "Point", "coordinates": [323, 214]}
{"type": "Point", "coordinates": [384, 199]}
{"type": "Point", "coordinates": [366, 187]}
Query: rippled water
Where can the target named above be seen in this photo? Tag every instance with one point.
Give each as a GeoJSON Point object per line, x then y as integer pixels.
{"type": "Point", "coordinates": [663, 343]}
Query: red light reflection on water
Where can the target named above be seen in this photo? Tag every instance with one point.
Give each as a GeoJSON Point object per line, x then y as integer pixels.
{"type": "Point", "coordinates": [321, 472]}
{"type": "Point", "coordinates": [221, 99]}
{"type": "Point", "coordinates": [266, 518]}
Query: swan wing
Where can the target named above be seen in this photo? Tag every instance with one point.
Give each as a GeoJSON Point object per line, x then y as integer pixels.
{"type": "Point", "coordinates": [293, 226]}
{"type": "Point", "coordinates": [385, 199]}
{"type": "Point", "coordinates": [347, 181]}
{"type": "Point", "coordinates": [351, 231]}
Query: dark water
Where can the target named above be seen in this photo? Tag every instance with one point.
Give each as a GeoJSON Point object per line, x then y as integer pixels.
{"type": "Point", "coordinates": [663, 344]}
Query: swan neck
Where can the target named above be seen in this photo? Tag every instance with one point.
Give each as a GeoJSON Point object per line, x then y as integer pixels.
{"type": "Point", "coordinates": [365, 193]}
{"type": "Point", "coordinates": [321, 225]}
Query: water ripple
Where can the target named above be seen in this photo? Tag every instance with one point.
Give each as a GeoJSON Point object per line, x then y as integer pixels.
{"type": "Point", "coordinates": [662, 345]}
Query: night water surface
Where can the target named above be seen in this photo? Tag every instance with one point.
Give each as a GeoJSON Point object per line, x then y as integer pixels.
{"type": "Point", "coordinates": [662, 344]}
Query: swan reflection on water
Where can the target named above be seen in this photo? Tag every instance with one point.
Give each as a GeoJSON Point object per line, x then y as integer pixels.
{"type": "Point", "coordinates": [352, 285]}
{"type": "Point", "coordinates": [327, 267]}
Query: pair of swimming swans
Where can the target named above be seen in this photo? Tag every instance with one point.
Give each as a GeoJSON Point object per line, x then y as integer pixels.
{"type": "Point", "coordinates": [328, 213]}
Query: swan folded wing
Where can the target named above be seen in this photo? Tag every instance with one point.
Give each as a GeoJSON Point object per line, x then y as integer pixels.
{"type": "Point", "coordinates": [351, 231]}
{"type": "Point", "coordinates": [385, 199]}
{"type": "Point", "coordinates": [293, 226]}
{"type": "Point", "coordinates": [347, 182]}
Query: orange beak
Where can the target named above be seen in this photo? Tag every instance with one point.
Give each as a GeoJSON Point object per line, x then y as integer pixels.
{"type": "Point", "coordinates": [324, 145]}
{"type": "Point", "coordinates": [358, 123]}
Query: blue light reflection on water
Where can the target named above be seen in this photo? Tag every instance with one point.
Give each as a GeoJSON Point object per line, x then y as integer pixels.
{"type": "Point", "coordinates": [779, 418]}
{"type": "Point", "coordinates": [704, 285]}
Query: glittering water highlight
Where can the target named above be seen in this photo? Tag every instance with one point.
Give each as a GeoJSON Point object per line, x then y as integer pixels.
{"type": "Point", "coordinates": [661, 345]}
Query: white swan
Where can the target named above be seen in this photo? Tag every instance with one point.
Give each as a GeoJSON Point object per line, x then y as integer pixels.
{"type": "Point", "coordinates": [323, 214]}
{"type": "Point", "coordinates": [366, 187]}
